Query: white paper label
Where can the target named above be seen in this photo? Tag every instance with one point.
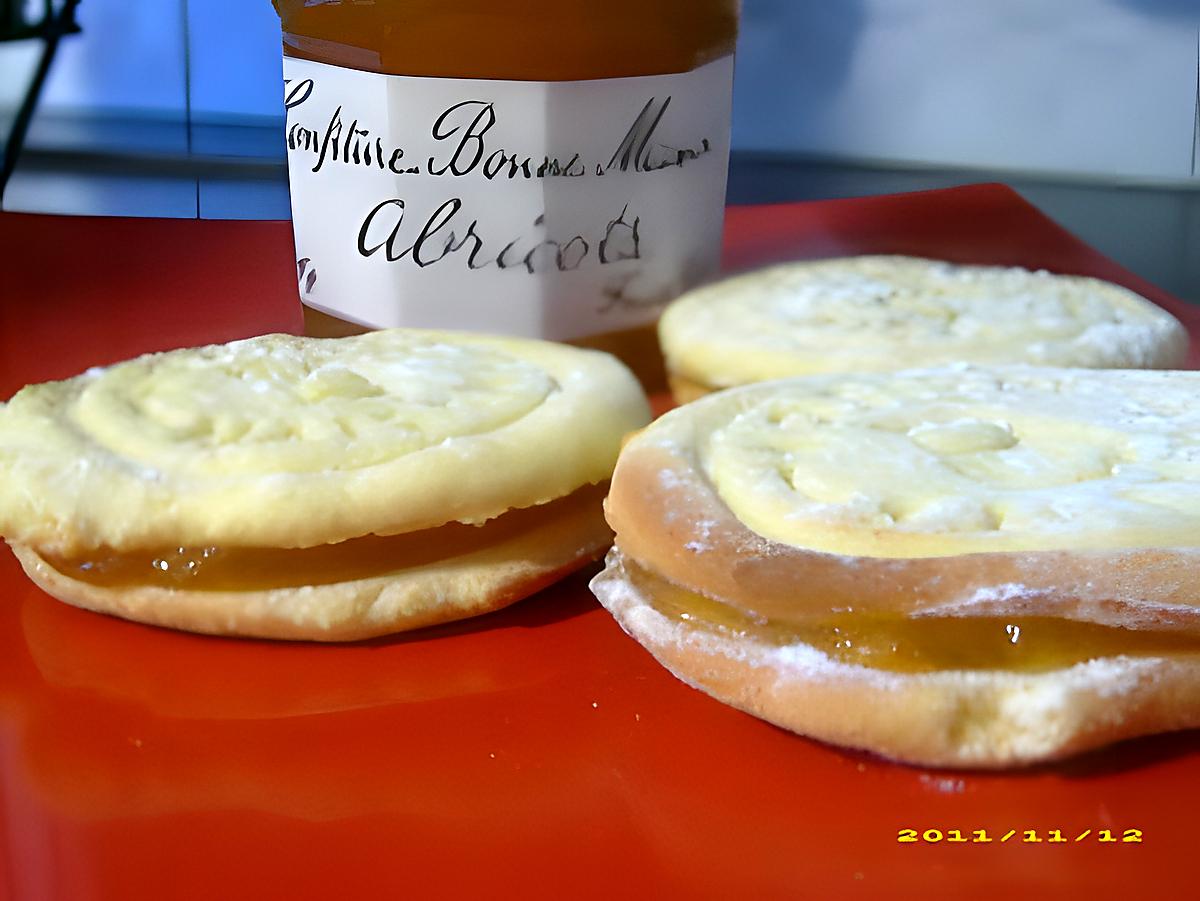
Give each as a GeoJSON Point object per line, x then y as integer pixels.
{"type": "Point", "coordinates": [544, 209]}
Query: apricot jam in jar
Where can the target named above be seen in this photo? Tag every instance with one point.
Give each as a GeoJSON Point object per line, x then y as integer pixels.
{"type": "Point", "coordinates": [549, 168]}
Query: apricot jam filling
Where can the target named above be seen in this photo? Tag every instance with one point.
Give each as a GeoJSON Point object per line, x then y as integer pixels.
{"type": "Point", "coordinates": [257, 569]}
{"type": "Point", "coordinates": [895, 643]}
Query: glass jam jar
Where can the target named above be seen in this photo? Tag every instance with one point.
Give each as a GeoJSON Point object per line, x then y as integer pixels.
{"type": "Point", "coordinates": [550, 168]}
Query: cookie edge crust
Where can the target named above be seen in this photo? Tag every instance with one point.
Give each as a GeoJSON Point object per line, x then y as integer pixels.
{"type": "Point", "coordinates": [956, 719]}
{"type": "Point", "coordinates": [453, 589]}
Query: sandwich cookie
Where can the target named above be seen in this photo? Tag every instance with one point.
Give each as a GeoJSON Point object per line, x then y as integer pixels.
{"type": "Point", "coordinates": [962, 566]}
{"type": "Point", "coordinates": [325, 489]}
{"type": "Point", "coordinates": [883, 313]}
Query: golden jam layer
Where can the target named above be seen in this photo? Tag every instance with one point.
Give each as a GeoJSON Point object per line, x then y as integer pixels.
{"type": "Point", "coordinates": [256, 569]}
{"type": "Point", "coordinates": [921, 644]}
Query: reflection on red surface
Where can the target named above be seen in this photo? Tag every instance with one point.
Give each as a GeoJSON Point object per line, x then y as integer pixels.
{"type": "Point", "coordinates": [536, 751]}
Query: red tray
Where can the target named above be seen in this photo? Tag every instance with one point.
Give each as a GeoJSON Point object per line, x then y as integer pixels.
{"type": "Point", "coordinates": [535, 752]}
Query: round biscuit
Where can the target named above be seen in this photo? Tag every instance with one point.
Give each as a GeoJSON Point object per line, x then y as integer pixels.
{"type": "Point", "coordinates": [959, 491]}
{"type": "Point", "coordinates": [884, 313]}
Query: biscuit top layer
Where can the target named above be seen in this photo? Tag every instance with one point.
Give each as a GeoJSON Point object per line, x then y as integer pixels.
{"type": "Point", "coordinates": [288, 406]}
{"type": "Point", "coordinates": [289, 442]}
{"type": "Point", "coordinates": [869, 314]}
{"type": "Point", "coordinates": [953, 461]}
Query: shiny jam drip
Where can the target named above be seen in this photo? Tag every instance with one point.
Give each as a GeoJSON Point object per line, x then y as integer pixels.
{"type": "Point", "coordinates": [250, 569]}
{"type": "Point", "coordinates": [921, 644]}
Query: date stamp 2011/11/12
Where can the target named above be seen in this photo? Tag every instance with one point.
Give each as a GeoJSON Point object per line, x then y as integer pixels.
{"type": "Point", "coordinates": [1025, 836]}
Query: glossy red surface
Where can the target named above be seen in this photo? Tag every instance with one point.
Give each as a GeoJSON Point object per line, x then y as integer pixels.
{"type": "Point", "coordinates": [534, 752]}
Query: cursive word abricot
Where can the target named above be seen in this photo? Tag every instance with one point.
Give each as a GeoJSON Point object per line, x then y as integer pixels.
{"type": "Point", "coordinates": [436, 240]}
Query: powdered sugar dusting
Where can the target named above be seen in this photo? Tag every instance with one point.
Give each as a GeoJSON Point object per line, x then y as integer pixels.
{"type": "Point", "coordinates": [985, 596]}
{"type": "Point", "coordinates": [881, 313]}
{"type": "Point", "coordinates": [934, 462]}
